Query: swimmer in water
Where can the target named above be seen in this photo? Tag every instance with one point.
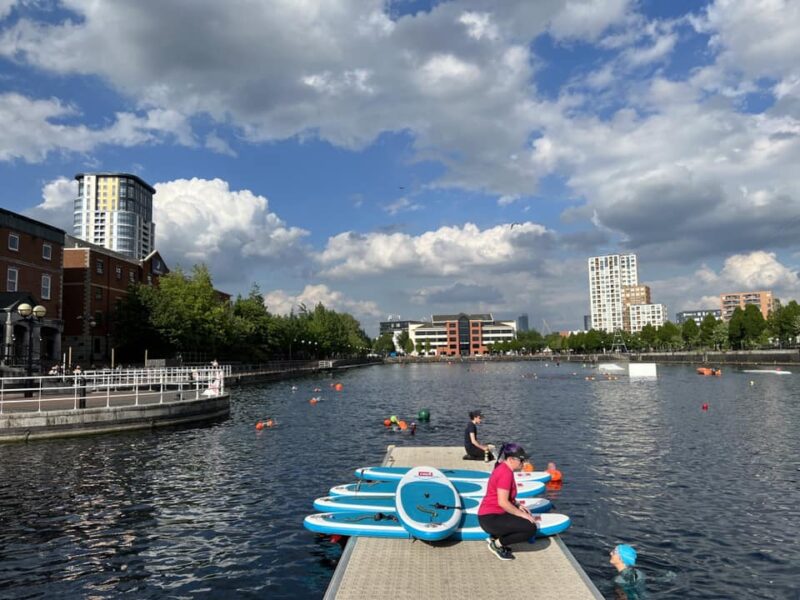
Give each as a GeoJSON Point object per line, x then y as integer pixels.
{"type": "Point", "coordinates": [629, 581]}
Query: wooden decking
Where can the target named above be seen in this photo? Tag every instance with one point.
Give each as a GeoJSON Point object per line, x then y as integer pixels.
{"type": "Point", "coordinates": [373, 568]}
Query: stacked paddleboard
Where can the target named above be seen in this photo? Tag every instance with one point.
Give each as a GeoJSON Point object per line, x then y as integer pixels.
{"type": "Point", "coordinates": [423, 503]}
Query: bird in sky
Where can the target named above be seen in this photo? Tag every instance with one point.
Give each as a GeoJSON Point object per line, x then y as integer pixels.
{"type": "Point", "coordinates": [512, 225]}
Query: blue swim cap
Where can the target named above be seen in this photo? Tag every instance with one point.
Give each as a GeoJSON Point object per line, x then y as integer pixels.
{"type": "Point", "coordinates": [627, 554]}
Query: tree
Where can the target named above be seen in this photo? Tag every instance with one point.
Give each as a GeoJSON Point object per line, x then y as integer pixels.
{"type": "Point", "coordinates": [404, 341]}
{"type": "Point", "coordinates": [649, 336]}
{"type": "Point", "coordinates": [720, 338]}
{"type": "Point", "coordinates": [736, 332]}
{"type": "Point", "coordinates": [753, 324]}
{"type": "Point", "coordinates": [707, 326]}
{"type": "Point", "coordinates": [690, 333]}
{"type": "Point", "coordinates": [384, 344]}
{"type": "Point", "coordinates": [669, 336]}
{"type": "Point", "coordinates": [132, 330]}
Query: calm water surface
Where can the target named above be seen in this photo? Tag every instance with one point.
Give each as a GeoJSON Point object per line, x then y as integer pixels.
{"type": "Point", "coordinates": [710, 498]}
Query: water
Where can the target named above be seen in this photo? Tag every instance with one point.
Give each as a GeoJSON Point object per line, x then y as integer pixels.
{"type": "Point", "coordinates": [709, 498]}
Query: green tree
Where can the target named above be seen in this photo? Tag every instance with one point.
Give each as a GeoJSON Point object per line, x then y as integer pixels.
{"type": "Point", "coordinates": [384, 344]}
{"type": "Point", "coordinates": [690, 333]}
{"type": "Point", "coordinates": [736, 331]}
{"type": "Point", "coordinates": [707, 327]}
{"type": "Point", "coordinates": [720, 339]}
{"type": "Point", "coordinates": [649, 337]}
{"type": "Point", "coordinates": [404, 341]}
{"type": "Point", "coordinates": [669, 336]}
{"type": "Point", "coordinates": [132, 330]}
{"type": "Point", "coordinates": [753, 324]}
{"type": "Point", "coordinates": [427, 347]}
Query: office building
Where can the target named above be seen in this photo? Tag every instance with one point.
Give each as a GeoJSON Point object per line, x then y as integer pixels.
{"type": "Point", "coordinates": [640, 315]}
{"type": "Point", "coordinates": [522, 322]}
{"type": "Point", "coordinates": [696, 315]}
{"type": "Point", "coordinates": [461, 334]}
{"type": "Point", "coordinates": [115, 210]}
{"type": "Point", "coordinates": [608, 275]}
{"type": "Point", "coordinates": [729, 302]}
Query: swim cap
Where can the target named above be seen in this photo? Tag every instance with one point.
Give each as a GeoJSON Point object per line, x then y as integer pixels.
{"type": "Point", "coordinates": [627, 554]}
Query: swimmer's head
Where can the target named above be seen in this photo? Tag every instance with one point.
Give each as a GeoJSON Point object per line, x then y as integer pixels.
{"type": "Point", "coordinates": [626, 554]}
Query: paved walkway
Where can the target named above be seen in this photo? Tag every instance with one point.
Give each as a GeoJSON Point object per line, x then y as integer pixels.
{"type": "Point", "coordinates": [411, 570]}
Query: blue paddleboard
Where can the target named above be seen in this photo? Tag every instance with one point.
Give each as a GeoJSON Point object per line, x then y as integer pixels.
{"type": "Point", "coordinates": [396, 473]}
{"type": "Point", "coordinates": [386, 504]}
{"type": "Point", "coordinates": [525, 489]}
{"type": "Point", "coordinates": [427, 504]}
{"type": "Point", "coordinates": [387, 525]}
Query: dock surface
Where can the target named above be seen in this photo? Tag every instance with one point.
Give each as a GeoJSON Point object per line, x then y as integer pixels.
{"type": "Point", "coordinates": [373, 568]}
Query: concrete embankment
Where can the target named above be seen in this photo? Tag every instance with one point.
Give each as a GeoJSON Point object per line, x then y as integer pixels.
{"type": "Point", "coordinates": [266, 373]}
{"type": "Point", "coordinates": [24, 426]}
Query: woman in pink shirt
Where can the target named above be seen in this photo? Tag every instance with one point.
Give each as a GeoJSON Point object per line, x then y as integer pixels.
{"type": "Point", "coordinates": [499, 514]}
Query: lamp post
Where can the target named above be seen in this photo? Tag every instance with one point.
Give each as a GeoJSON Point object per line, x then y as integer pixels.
{"type": "Point", "coordinates": [29, 313]}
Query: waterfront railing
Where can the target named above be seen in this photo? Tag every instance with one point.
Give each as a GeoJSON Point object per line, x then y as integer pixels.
{"type": "Point", "coordinates": [116, 386]}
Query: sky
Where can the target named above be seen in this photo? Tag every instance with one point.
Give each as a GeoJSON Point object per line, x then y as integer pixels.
{"type": "Point", "coordinates": [409, 158]}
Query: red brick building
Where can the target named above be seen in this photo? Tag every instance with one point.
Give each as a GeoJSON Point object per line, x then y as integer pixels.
{"type": "Point", "coordinates": [95, 279]}
{"type": "Point", "coordinates": [30, 271]}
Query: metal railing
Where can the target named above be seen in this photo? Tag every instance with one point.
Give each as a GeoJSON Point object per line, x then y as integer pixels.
{"type": "Point", "coordinates": [111, 388]}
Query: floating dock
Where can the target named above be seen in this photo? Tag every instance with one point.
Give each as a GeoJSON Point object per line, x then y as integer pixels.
{"type": "Point", "coordinates": [412, 570]}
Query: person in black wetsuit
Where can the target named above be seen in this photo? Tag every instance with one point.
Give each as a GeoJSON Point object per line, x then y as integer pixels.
{"type": "Point", "coordinates": [475, 450]}
{"type": "Point", "coordinates": [629, 581]}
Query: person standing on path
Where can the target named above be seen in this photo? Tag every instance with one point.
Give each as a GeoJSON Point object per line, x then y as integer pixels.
{"type": "Point", "coordinates": [475, 450]}
{"type": "Point", "coordinates": [80, 383]}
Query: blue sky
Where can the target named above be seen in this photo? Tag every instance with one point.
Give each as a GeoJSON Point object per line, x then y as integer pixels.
{"type": "Point", "coordinates": [373, 155]}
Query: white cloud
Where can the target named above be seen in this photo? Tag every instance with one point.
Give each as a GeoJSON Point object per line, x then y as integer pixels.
{"type": "Point", "coordinates": [30, 129]}
{"type": "Point", "coordinates": [588, 18]}
{"type": "Point", "coordinates": [201, 220]}
{"type": "Point", "coordinates": [58, 197]}
{"type": "Point", "coordinates": [758, 271]}
{"type": "Point", "coordinates": [281, 302]}
{"type": "Point", "coordinates": [479, 25]}
{"type": "Point", "coordinates": [5, 7]}
{"type": "Point", "coordinates": [401, 205]}
{"type": "Point", "coordinates": [447, 251]}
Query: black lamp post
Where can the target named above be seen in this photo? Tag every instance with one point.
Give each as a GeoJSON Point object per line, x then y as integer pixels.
{"type": "Point", "coordinates": [29, 313]}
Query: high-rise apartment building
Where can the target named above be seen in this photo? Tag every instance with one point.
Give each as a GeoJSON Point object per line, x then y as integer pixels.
{"type": "Point", "coordinates": [608, 275]}
{"type": "Point", "coordinates": [730, 302]}
{"type": "Point", "coordinates": [115, 210]}
{"type": "Point", "coordinates": [633, 294]}
{"type": "Point", "coordinates": [640, 315]}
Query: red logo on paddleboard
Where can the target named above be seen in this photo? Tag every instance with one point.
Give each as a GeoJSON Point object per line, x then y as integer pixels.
{"type": "Point", "coordinates": [424, 474]}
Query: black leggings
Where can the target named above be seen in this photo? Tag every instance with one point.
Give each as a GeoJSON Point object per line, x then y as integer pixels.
{"type": "Point", "coordinates": [509, 529]}
{"type": "Point", "coordinates": [476, 453]}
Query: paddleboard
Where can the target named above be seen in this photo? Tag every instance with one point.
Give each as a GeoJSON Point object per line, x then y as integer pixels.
{"type": "Point", "coordinates": [387, 525]}
{"type": "Point", "coordinates": [767, 371]}
{"type": "Point", "coordinates": [427, 504]}
{"type": "Point", "coordinates": [525, 489]}
{"type": "Point", "coordinates": [396, 473]}
{"type": "Point", "coordinates": [469, 504]}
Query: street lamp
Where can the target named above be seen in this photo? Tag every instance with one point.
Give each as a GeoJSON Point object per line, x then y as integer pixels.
{"type": "Point", "coordinates": [29, 313]}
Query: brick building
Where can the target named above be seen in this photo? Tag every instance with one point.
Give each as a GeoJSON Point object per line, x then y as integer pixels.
{"type": "Point", "coordinates": [95, 279]}
{"type": "Point", "coordinates": [30, 271]}
{"type": "Point", "coordinates": [461, 334]}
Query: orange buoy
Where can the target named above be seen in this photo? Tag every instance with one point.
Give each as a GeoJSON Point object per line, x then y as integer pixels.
{"type": "Point", "coordinates": [338, 387]}
{"type": "Point", "coordinates": [313, 401]}
{"type": "Point", "coordinates": [403, 425]}
{"type": "Point", "coordinates": [528, 468]}
{"type": "Point", "coordinates": [387, 422]}
{"type": "Point", "coordinates": [259, 426]}
{"type": "Point", "coordinates": [705, 406]}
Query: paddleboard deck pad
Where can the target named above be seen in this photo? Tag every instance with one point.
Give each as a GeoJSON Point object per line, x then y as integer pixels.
{"type": "Point", "coordinates": [525, 489]}
{"type": "Point", "coordinates": [427, 504]}
{"type": "Point", "coordinates": [396, 473]}
{"type": "Point", "coordinates": [386, 504]}
{"type": "Point", "coordinates": [387, 525]}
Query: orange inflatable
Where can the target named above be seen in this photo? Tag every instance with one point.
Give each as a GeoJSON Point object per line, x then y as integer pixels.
{"type": "Point", "coordinates": [403, 425]}
{"type": "Point", "coordinates": [709, 371]}
{"type": "Point", "coordinates": [259, 426]}
{"type": "Point", "coordinates": [387, 422]}
{"type": "Point", "coordinates": [528, 468]}
{"type": "Point", "coordinates": [555, 474]}
{"type": "Point", "coordinates": [338, 387]}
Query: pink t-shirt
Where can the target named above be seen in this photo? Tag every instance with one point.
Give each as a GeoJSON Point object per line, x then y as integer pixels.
{"type": "Point", "coordinates": [501, 478]}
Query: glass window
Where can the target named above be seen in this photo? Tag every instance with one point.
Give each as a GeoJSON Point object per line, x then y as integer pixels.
{"type": "Point", "coordinates": [118, 271]}
{"type": "Point", "coordinates": [13, 242]}
{"type": "Point", "coordinates": [131, 276]}
{"type": "Point", "coordinates": [45, 287]}
{"type": "Point", "coordinates": [11, 279]}
{"type": "Point", "coordinates": [47, 252]}
{"type": "Point", "coordinates": [98, 293]}
{"type": "Point", "coordinates": [99, 266]}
